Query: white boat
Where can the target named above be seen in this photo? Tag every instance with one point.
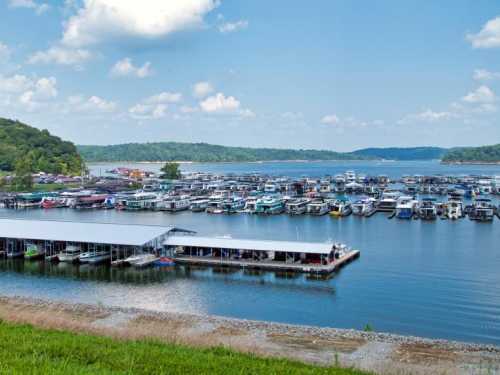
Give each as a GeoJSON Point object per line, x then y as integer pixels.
{"type": "Point", "coordinates": [177, 203]}
{"type": "Point", "coordinates": [199, 205]}
{"type": "Point", "coordinates": [233, 205]}
{"type": "Point", "coordinates": [297, 206]}
{"type": "Point", "coordinates": [482, 210]}
{"type": "Point", "coordinates": [269, 205]}
{"type": "Point", "coordinates": [427, 209]}
{"type": "Point", "coordinates": [363, 206]}
{"type": "Point", "coordinates": [454, 208]}
{"type": "Point", "coordinates": [141, 260]}
{"type": "Point", "coordinates": [341, 207]}
{"type": "Point", "coordinates": [70, 254]}
{"type": "Point", "coordinates": [388, 201]}
{"type": "Point", "coordinates": [140, 201]}
{"type": "Point", "coordinates": [318, 207]}
{"type": "Point", "coordinates": [94, 257]}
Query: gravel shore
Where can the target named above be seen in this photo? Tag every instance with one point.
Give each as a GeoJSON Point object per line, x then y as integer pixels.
{"type": "Point", "coordinates": [379, 352]}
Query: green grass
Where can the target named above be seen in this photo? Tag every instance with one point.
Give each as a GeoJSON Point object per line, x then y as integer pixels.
{"type": "Point", "coordinates": [28, 350]}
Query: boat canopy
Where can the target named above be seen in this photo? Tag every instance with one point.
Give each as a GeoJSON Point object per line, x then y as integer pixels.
{"type": "Point", "coordinates": [245, 244]}
{"type": "Point", "coordinates": [84, 232]}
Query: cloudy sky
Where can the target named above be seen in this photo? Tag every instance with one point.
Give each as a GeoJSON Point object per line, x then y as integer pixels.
{"type": "Point", "coordinates": [328, 74]}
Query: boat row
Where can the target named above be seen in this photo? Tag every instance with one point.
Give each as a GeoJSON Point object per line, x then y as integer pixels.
{"type": "Point", "coordinates": [73, 254]}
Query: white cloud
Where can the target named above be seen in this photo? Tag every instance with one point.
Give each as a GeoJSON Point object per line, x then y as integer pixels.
{"type": "Point", "coordinates": [229, 27]}
{"type": "Point", "coordinates": [164, 97]}
{"type": "Point", "coordinates": [45, 88]}
{"type": "Point", "coordinates": [432, 116]}
{"type": "Point", "coordinates": [4, 53]}
{"type": "Point", "coordinates": [485, 75]}
{"type": "Point", "coordinates": [28, 94]}
{"type": "Point", "coordinates": [330, 119]}
{"type": "Point", "coordinates": [15, 84]}
{"type": "Point", "coordinates": [39, 8]}
{"type": "Point", "coordinates": [219, 103]}
{"type": "Point", "coordinates": [488, 36]}
{"type": "Point", "coordinates": [125, 67]}
{"type": "Point", "coordinates": [202, 89]}
{"type": "Point", "coordinates": [482, 94]}
{"type": "Point", "coordinates": [92, 104]}
{"type": "Point", "coordinates": [61, 56]}
{"type": "Point", "coordinates": [148, 111]}
{"type": "Point", "coordinates": [105, 20]}
{"type": "Point", "coordinates": [155, 106]}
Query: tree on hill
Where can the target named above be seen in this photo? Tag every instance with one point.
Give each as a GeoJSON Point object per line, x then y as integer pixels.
{"type": "Point", "coordinates": [23, 180]}
{"type": "Point", "coordinates": [48, 153]}
{"type": "Point", "coordinates": [171, 171]}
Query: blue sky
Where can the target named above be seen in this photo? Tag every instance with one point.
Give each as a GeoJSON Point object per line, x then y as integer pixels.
{"type": "Point", "coordinates": [330, 74]}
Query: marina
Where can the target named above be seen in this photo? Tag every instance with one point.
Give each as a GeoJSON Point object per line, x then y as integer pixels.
{"type": "Point", "coordinates": [433, 278]}
{"type": "Point", "coordinates": [417, 196]}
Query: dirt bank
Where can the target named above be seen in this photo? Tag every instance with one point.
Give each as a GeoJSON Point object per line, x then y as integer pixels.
{"type": "Point", "coordinates": [382, 353]}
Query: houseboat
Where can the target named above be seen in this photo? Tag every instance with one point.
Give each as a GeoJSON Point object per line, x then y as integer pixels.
{"type": "Point", "coordinates": [364, 206]}
{"type": "Point", "coordinates": [233, 205]}
{"type": "Point", "coordinates": [199, 205]}
{"type": "Point", "coordinates": [454, 207]}
{"type": "Point", "coordinates": [90, 202]}
{"type": "Point", "coordinates": [388, 201]}
{"type": "Point", "coordinates": [406, 207]}
{"type": "Point", "coordinates": [269, 205]}
{"type": "Point", "coordinates": [53, 202]}
{"type": "Point", "coordinates": [177, 203]}
{"type": "Point", "coordinates": [482, 210]}
{"type": "Point", "coordinates": [297, 206]}
{"type": "Point", "coordinates": [318, 207]}
{"type": "Point", "coordinates": [427, 209]}
{"type": "Point", "coordinates": [140, 201]}
{"type": "Point", "coordinates": [341, 207]}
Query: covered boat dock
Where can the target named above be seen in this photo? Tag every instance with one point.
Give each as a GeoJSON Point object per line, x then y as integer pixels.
{"type": "Point", "coordinates": [101, 241]}
{"type": "Point", "coordinates": [275, 255]}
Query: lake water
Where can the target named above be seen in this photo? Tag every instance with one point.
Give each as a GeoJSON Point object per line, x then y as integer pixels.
{"type": "Point", "coordinates": [436, 279]}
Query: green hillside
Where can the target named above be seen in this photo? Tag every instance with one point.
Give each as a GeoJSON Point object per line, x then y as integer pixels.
{"type": "Point", "coordinates": [36, 148]}
{"type": "Point", "coordinates": [403, 153]}
{"type": "Point", "coordinates": [202, 152]}
{"type": "Point", "coordinates": [483, 154]}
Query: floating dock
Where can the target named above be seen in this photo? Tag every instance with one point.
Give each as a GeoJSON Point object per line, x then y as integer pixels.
{"type": "Point", "coordinates": [99, 241]}
{"type": "Point", "coordinates": [306, 257]}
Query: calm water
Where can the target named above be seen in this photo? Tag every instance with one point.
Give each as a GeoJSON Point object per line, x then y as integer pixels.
{"type": "Point", "coordinates": [434, 279]}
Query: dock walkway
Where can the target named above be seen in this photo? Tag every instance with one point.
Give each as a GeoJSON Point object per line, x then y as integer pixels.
{"type": "Point", "coordinates": [271, 265]}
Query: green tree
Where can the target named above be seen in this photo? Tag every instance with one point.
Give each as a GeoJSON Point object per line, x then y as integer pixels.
{"type": "Point", "coordinates": [23, 180]}
{"type": "Point", "coordinates": [171, 171]}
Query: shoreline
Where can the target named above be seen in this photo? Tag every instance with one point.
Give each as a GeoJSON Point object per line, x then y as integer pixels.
{"type": "Point", "coordinates": [227, 162]}
{"type": "Point", "coordinates": [471, 163]}
{"type": "Point", "coordinates": [380, 352]}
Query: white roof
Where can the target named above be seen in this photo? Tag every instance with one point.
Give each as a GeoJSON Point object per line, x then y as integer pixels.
{"type": "Point", "coordinates": [242, 244]}
{"type": "Point", "coordinates": [70, 231]}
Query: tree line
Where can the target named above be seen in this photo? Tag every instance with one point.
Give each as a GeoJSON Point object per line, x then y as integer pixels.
{"type": "Point", "coordinates": [202, 152]}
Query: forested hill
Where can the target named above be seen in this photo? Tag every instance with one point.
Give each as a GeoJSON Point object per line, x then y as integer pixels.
{"type": "Point", "coordinates": [403, 153]}
{"type": "Point", "coordinates": [202, 152]}
{"type": "Point", "coordinates": [484, 154]}
{"type": "Point", "coordinates": [38, 149]}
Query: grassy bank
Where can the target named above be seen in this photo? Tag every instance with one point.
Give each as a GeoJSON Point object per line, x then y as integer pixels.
{"type": "Point", "coordinates": [28, 350]}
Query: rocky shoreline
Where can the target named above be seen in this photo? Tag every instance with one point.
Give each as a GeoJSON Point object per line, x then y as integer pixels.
{"type": "Point", "coordinates": [380, 352]}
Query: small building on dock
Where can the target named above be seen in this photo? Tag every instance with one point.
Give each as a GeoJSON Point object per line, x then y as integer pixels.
{"type": "Point", "coordinates": [273, 255]}
{"type": "Point", "coordinates": [99, 241]}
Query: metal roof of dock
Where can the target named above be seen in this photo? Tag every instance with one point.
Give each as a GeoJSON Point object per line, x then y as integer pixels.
{"type": "Point", "coordinates": [85, 232]}
{"type": "Point", "coordinates": [257, 245]}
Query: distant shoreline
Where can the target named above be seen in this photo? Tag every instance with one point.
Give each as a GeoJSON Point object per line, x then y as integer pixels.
{"type": "Point", "coordinates": [228, 162]}
{"type": "Point", "coordinates": [472, 162]}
